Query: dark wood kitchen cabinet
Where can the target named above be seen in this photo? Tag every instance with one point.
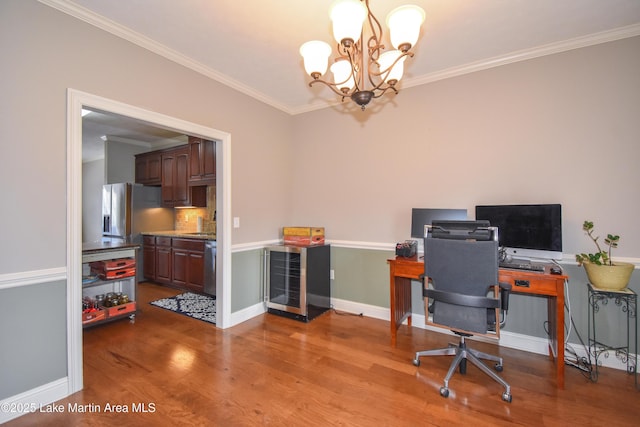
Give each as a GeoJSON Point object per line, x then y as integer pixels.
{"type": "Point", "coordinates": [176, 190]}
{"type": "Point", "coordinates": [163, 261]}
{"type": "Point", "coordinates": [182, 172]}
{"type": "Point", "coordinates": [149, 257]}
{"type": "Point", "coordinates": [149, 168]}
{"type": "Point", "coordinates": [188, 263]}
{"type": "Point", "coordinates": [174, 261]}
{"type": "Point", "coordinates": [202, 161]}
{"type": "Point", "coordinates": [175, 169]}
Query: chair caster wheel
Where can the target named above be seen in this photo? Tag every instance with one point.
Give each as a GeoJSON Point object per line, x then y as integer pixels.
{"type": "Point", "coordinates": [506, 397]}
{"type": "Point", "coordinates": [416, 362]}
{"type": "Point", "coordinates": [444, 392]}
{"type": "Point", "coordinates": [498, 367]}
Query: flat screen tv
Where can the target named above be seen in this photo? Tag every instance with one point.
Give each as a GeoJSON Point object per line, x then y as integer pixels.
{"type": "Point", "coordinates": [423, 216]}
{"type": "Point", "coordinates": [527, 231]}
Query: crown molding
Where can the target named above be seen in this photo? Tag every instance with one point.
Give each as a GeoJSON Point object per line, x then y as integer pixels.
{"type": "Point", "coordinates": [125, 33]}
{"type": "Point", "coordinates": [134, 37]}
{"type": "Point", "coordinates": [526, 54]}
{"type": "Point", "coordinates": [509, 58]}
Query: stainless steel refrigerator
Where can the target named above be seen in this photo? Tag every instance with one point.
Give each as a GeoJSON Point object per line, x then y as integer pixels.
{"type": "Point", "coordinates": [130, 209]}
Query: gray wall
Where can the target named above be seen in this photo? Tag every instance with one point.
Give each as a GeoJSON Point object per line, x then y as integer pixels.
{"type": "Point", "coordinates": [120, 161]}
{"type": "Point", "coordinates": [92, 182]}
{"type": "Point", "coordinates": [32, 353]}
{"type": "Point", "coordinates": [247, 276]}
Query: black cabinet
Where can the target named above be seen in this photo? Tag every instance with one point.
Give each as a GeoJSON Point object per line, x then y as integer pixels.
{"type": "Point", "coordinates": [297, 280]}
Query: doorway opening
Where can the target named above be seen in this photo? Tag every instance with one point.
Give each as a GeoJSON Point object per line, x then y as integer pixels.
{"type": "Point", "coordinates": [76, 100]}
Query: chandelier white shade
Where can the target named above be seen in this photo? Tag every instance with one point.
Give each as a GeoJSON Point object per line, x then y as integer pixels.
{"type": "Point", "coordinates": [404, 25]}
{"type": "Point", "coordinates": [347, 17]}
{"type": "Point", "coordinates": [342, 74]}
{"type": "Point", "coordinates": [384, 69]}
{"type": "Point", "coordinates": [388, 71]}
{"type": "Point", "coordinates": [316, 54]}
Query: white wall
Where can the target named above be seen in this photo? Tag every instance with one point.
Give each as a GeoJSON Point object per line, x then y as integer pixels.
{"type": "Point", "coordinates": [557, 129]}
{"type": "Point", "coordinates": [92, 182]}
{"type": "Point", "coordinates": [60, 52]}
{"type": "Point", "coordinates": [39, 66]}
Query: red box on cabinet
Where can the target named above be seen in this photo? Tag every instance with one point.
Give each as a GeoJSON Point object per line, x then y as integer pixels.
{"type": "Point", "coordinates": [115, 268]}
{"type": "Point", "coordinates": [114, 264]}
{"type": "Point", "coordinates": [93, 316]}
{"type": "Point", "coordinates": [118, 310]}
{"type": "Point", "coordinates": [116, 274]}
{"type": "Point", "coordinates": [303, 236]}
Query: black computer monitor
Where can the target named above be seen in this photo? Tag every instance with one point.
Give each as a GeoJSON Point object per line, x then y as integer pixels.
{"type": "Point", "coordinates": [425, 216]}
{"type": "Point", "coordinates": [462, 230]}
{"type": "Point", "coordinates": [526, 231]}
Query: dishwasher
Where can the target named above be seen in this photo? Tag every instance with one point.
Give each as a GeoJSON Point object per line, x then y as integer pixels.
{"type": "Point", "coordinates": [210, 248]}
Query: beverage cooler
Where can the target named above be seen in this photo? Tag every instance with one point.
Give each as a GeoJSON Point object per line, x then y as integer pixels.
{"type": "Point", "coordinates": [297, 280]}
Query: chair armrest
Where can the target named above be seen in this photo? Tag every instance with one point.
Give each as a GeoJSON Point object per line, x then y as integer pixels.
{"type": "Point", "coordinates": [461, 299]}
{"type": "Point", "coordinates": [505, 291]}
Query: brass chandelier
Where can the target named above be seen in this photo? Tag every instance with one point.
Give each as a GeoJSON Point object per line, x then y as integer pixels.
{"type": "Point", "coordinates": [384, 69]}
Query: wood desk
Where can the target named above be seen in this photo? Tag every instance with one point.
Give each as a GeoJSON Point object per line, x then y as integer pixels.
{"type": "Point", "coordinates": [404, 270]}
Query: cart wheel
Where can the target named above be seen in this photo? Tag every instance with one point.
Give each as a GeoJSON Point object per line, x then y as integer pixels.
{"type": "Point", "coordinates": [416, 361]}
{"type": "Point", "coordinates": [498, 367]}
{"type": "Point", "coordinates": [506, 397]}
{"type": "Point", "coordinates": [444, 392]}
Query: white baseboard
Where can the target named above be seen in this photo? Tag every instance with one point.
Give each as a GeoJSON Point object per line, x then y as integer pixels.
{"type": "Point", "coordinates": [359, 308]}
{"type": "Point", "coordinates": [245, 314]}
{"type": "Point", "coordinates": [507, 339]}
{"type": "Point", "coordinates": [32, 400]}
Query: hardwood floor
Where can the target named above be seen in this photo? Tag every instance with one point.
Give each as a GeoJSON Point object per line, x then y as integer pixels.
{"type": "Point", "coordinates": [335, 370]}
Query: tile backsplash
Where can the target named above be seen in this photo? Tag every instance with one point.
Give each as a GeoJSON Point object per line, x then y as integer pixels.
{"type": "Point", "coordinates": [186, 219]}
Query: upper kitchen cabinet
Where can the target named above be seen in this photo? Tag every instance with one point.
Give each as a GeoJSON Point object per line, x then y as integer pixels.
{"type": "Point", "coordinates": [175, 173]}
{"type": "Point", "coordinates": [202, 161]}
{"type": "Point", "coordinates": [149, 168]}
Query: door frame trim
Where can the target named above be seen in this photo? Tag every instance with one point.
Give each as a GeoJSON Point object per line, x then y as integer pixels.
{"type": "Point", "coordinates": [75, 101]}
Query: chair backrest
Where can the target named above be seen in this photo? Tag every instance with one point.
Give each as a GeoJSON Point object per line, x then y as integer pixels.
{"type": "Point", "coordinates": [461, 262]}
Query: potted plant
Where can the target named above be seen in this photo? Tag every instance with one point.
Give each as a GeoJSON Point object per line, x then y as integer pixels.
{"type": "Point", "coordinates": [602, 272]}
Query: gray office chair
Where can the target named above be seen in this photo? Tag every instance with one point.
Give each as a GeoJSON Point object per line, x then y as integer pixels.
{"type": "Point", "coordinates": [461, 270]}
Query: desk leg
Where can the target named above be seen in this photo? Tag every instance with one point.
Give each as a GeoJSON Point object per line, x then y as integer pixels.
{"type": "Point", "coordinates": [555, 308]}
{"type": "Point", "coordinates": [560, 336]}
{"type": "Point", "coordinates": [400, 304]}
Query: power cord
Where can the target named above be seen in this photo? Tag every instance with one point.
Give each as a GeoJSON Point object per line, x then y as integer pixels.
{"type": "Point", "coordinates": [345, 313]}
{"type": "Point", "coordinates": [571, 358]}
{"type": "Point", "coordinates": [582, 363]}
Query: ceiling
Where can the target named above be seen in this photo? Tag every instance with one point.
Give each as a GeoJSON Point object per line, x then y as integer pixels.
{"type": "Point", "coordinates": [252, 45]}
{"type": "Point", "coordinates": [99, 127]}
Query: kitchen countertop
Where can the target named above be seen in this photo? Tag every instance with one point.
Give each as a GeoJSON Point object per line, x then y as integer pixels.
{"type": "Point", "coordinates": [107, 244]}
{"type": "Point", "coordinates": [182, 234]}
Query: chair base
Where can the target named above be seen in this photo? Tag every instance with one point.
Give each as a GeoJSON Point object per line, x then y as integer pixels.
{"type": "Point", "coordinates": [462, 353]}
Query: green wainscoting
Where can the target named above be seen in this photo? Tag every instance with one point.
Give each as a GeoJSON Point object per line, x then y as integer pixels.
{"type": "Point", "coordinates": [33, 336]}
{"type": "Point", "coordinates": [362, 277]}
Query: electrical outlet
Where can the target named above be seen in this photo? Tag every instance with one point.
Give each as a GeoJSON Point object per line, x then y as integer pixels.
{"type": "Point", "coordinates": [332, 275]}
{"type": "Point", "coordinates": [236, 222]}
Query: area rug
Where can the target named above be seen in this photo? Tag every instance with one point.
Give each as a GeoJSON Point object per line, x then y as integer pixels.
{"type": "Point", "coordinates": [201, 307]}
